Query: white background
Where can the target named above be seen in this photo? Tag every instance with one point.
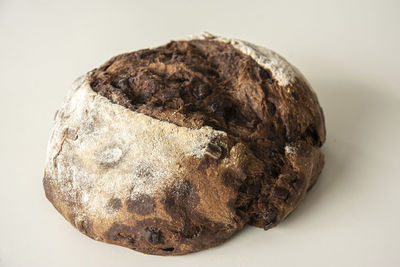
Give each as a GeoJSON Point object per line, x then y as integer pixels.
{"type": "Point", "coordinates": [348, 50]}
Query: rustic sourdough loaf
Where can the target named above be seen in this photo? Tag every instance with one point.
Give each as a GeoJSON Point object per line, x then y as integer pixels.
{"type": "Point", "coordinates": [172, 150]}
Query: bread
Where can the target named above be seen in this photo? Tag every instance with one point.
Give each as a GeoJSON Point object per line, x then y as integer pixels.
{"type": "Point", "coordinates": [172, 150]}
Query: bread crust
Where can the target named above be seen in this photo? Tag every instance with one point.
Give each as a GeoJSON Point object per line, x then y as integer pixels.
{"type": "Point", "coordinates": [169, 186]}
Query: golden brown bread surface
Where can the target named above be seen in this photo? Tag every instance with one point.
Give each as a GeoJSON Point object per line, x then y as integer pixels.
{"type": "Point", "coordinates": [174, 149]}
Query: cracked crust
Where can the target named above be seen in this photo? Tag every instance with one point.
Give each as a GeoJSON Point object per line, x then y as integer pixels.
{"type": "Point", "coordinates": [169, 155]}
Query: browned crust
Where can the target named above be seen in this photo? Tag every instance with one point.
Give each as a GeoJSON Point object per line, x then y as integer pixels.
{"type": "Point", "coordinates": [275, 132]}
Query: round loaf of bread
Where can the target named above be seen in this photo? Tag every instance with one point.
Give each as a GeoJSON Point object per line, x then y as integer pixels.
{"type": "Point", "coordinates": [172, 150]}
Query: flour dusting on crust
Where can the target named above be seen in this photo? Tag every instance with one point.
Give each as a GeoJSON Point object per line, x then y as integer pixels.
{"type": "Point", "coordinates": [116, 153]}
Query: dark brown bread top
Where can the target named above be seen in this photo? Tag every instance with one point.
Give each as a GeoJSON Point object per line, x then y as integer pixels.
{"type": "Point", "coordinates": [200, 82]}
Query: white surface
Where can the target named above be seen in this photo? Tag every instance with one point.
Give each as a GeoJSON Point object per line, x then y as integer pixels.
{"type": "Point", "coordinates": [348, 50]}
